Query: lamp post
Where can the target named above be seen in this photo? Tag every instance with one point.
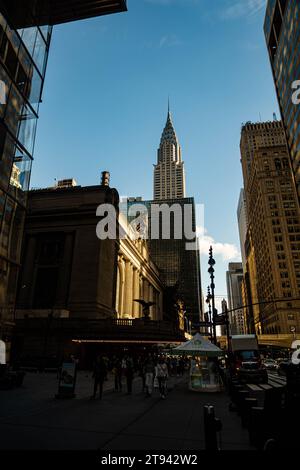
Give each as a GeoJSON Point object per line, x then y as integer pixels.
{"type": "Point", "coordinates": [211, 272]}
{"type": "Point", "coordinates": [208, 299]}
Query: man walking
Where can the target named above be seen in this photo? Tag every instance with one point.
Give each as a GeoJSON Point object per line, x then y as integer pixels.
{"type": "Point", "coordinates": [149, 370]}
{"type": "Point", "coordinates": [162, 376]}
{"type": "Point", "coordinates": [99, 374]}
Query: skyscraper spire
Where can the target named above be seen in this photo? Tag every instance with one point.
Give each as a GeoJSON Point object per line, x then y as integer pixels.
{"type": "Point", "coordinates": [169, 179]}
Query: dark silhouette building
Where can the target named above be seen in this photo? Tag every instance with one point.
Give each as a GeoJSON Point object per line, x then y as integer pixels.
{"type": "Point", "coordinates": [25, 36]}
{"type": "Point", "coordinates": [179, 266]}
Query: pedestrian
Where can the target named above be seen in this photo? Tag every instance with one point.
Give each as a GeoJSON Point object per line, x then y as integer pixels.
{"type": "Point", "coordinates": [99, 374]}
{"type": "Point", "coordinates": [129, 374]}
{"type": "Point", "coordinates": [149, 371]}
{"type": "Point", "coordinates": [141, 371]}
{"type": "Point", "coordinates": [162, 377]}
{"type": "Point", "coordinates": [117, 372]}
{"type": "Point", "coordinates": [181, 366]}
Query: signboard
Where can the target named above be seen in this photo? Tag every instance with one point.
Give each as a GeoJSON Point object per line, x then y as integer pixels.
{"type": "Point", "coordinates": [2, 352]}
{"type": "Point", "coordinates": [67, 380]}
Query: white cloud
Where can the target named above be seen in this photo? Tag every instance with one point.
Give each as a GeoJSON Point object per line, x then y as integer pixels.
{"type": "Point", "coordinates": [169, 40]}
{"type": "Point", "coordinates": [239, 8]}
{"type": "Point", "coordinates": [227, 251]}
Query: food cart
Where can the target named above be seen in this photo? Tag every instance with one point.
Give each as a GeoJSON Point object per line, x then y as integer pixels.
{"type": "Point", "coordinates": [204, 372]}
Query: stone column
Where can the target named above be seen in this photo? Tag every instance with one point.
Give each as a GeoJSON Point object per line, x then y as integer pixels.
{"type": "Point", "coordinates": [118, 289]}
{"type": "Point", "coordinates": [145, 290]}
{"type": "Point", "coordinates": [151, 299]}
{"type": "Point", "coordinates": [121, 287]}
{"type": "Point", "coordinates": [161, 307]}
{"type": "Point", "coordinates": [141, 294]}
{"type": "Point", "coordinates": [128, 289]}
{"type": "Point", "coordinates": [136, 292]}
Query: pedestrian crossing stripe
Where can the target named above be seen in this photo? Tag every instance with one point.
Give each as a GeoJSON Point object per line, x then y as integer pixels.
{"type": "Point", "coordinates": [254, 388]}
{"type": "Point", "coordinates": [275, 384]}
{"type": "Point", "coordinates": [276, 378]}
{"type": "Point", "coordinates": [266, 386]}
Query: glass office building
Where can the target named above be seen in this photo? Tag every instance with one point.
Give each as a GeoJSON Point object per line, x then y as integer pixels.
{"type": "Point", "coordinates": [25, 35]}
{"type": "Point", "coordinates": [282, 32]}
{"type": "Point", "coordinates": [23, 59]}
{"type": "Point", "coordinates": [179, 266]}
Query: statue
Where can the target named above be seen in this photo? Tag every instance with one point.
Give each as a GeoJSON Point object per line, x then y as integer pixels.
{"type": "Point", "coordinates": [146, 307]}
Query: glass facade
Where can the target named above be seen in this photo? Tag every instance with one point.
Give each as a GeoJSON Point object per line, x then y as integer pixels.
{"type": "Point", "coordinates": [178, 266]}
{"type": "Point", "coordinates": [282, 32]}
{"type": "Point", "coordinates": [23, 58]}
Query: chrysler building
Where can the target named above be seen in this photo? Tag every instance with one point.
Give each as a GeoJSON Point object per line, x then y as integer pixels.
{"type": "Point", "coordinates": [169, 178]}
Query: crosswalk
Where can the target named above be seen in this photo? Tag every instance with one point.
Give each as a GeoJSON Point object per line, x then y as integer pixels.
{"type": "Point", "coordinates": [274, 381]}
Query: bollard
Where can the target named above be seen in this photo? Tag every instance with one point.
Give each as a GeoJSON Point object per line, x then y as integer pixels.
{"type": "Point", "coordinates": [247, 405]}
{"type": "Point", "coordinates": [241, 396]}
{"type": "Point", "coordinates": [212, 426]}
{"type": "Point", "coordinates": [256, 426]}
{"type": "Point", "coordinates": [235, 391]}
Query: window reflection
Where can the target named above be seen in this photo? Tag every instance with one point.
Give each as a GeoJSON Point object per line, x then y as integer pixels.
{"type": "Point", "coordinates": [39, 52]}
{"type": "Point", "coordinates": [27, 128]}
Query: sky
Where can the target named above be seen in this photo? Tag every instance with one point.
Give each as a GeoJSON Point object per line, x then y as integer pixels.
{"type": "Point", "coordinates": [106, 94]}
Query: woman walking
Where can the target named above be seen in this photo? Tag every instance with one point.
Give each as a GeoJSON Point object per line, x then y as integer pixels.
{"type": "Point", "coordinates": [162, 376]}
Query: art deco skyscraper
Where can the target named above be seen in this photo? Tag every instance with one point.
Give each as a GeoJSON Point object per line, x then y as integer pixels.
{"type": "Point", "coordinates": [169, 178]}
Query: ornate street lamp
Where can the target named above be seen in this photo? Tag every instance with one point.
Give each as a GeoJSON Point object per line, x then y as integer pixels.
{"type": "Point", "coordinates": [208, 300]}
{"type": "Point", "coordinates": [211, 272]}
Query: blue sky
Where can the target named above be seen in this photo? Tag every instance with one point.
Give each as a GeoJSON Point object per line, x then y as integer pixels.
{"type": "Point", "coordinates": [106, 93]}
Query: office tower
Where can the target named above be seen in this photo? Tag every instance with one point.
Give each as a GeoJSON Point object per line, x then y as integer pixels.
{"type": "Point", "coordinates": [179, 267]}
{"type": "Point", "coordinates": [25, 35]}
{"type": "Point", "coordinates": [282, 33]}
{"type": "Point", "coordinates": [273, 238]}
{"type": "Point", "coordinates": [169, 178]}
{"type": "Point", "coordinates": [242, 223]}
{"type": "Point", "coordinates": [234, 279]}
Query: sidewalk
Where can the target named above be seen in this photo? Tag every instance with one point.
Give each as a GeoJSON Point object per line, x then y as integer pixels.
{"type": "Point", "coordinates": [30, 418]}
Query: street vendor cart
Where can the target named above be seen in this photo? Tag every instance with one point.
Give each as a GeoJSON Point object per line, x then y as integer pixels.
{"type": "Point", "coordinates": [204, 370]}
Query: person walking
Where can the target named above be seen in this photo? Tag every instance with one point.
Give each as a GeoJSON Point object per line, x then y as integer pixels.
{"type": "Point", "coordinates": [149, 371]}
{"type": "Point", "coordinates": [129, 374]}
{"type": "Point", "coordinates": [117, 372]}
{"type": "Point", "coordinates": [99, 374]}
{"type": "Point", "coordinates": [162, 376]}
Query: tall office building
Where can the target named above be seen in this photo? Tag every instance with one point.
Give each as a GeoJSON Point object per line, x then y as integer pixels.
{"type": "Point", "coordinates": [25, 35]}
{"type": "Point", "coordinates": [179, 267]}
{"type": "Point", "coordinates": [242, 224]}
{"type": "Point", "coordinates": [234, 279]}
{"type": "Point", "coordinates": [169, 178]}
{"type": "Point", "coordinates": [282, 32]}
{"type": "Point", "coordinates": [273, 237]}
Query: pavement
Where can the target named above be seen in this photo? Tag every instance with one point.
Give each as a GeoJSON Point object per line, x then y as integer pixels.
{"type": "Point", "coordinates": [31, 418]}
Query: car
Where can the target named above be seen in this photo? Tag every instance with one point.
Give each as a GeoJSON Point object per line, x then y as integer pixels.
{"type": "Point", "coordinates": [270, 364]}
{"type": "Point", "coordinates": [283, 366]}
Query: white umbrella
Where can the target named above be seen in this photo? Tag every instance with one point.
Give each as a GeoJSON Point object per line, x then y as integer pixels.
{"type": "Point", "coordinates": [198, 346]}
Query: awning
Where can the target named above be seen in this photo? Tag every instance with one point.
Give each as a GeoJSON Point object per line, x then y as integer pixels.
{"type": "Point", "coordinates": [198, 346]}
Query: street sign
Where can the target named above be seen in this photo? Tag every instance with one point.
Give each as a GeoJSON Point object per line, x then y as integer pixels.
{"type": "Point", "coordinates": [2, 352]}
{"type": "Point", "coordinates": [67, 380]}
